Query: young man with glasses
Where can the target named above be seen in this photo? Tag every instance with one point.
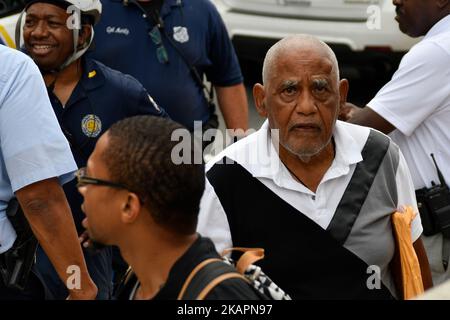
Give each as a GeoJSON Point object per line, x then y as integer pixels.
{"type": "Point", "coordinates": [169, 46]}
{"type": "Point", "coordinates": [87, 98]}
{"type": "Point", "coordinates": [151, 217]}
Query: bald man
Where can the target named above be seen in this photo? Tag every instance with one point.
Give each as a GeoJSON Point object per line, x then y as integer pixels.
{"type": "Point", "coordinates": [316, 193]}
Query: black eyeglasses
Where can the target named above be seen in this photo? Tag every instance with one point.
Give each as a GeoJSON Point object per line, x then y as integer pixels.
{"type": "Point", "coordinates": [161, 52]}
{"type": "Point", "coordinates": [83, 180]}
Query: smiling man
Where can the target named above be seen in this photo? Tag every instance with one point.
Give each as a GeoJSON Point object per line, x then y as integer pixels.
{"type": "Point", "coordinates": [317, 194]}
{"type": "Point", "coordinates": [87, 98]}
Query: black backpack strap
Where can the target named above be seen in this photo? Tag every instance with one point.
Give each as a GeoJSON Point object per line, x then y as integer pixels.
{"type": "Point", "coordinates": [373, 153]}
{"type": "Point", "coordinates": [126, 285]}
{"type": "Point", "coordinates": [205, 277]}
{"type": "Point", "coordinates": [159, 23]}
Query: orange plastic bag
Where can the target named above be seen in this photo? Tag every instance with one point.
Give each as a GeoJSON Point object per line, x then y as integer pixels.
{"type": "Point", "coordinates": [410, 267]}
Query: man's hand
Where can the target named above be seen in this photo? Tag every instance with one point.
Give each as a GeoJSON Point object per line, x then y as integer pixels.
{"type": "Point", "coordinates": [365, 117]}
{"type": "Point", "coordinates": [86, 242]}
{"type": "Point", "coordinates": [48, 213]}
{"type": "Point", "coordinates": [89, 293]}
{"type": "Point", "coordinates": [84, 239]}
{"type": "Point", "coordinates": [347, 112]}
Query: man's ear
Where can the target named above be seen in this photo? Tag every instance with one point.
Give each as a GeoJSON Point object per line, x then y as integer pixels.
{"type": "Point", "coordinates": [259, 97]}
{"type": "Point", "coordinates": [84, 34]}
{"type": "Point", "coordinates": [343, 92]}
{"type": "Point", "coordinates": [130, 208]}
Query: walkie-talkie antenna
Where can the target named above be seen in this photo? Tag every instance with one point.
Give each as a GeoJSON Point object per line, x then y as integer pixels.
{"type": "Point", "coordinates": [440, 176]}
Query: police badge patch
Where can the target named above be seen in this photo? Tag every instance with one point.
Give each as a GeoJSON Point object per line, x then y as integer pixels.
{"type": "Point", "coordinates": [180, 34]}
{"type": "Point", "coordinates": [91, 125]}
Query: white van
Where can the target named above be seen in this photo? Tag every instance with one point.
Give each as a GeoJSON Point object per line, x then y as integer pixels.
{"type": "Point", "coordinates": [356, 24]}
{"type": "Point", "coordinates": [9, 12]}
{"type": "Point", "coordinates": [363, 33]}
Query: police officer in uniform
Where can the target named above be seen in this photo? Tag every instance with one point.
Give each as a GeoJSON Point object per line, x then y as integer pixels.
{"type": "Point", "coordinates": [87, 98]}
{"type": "Point", "coordinates": [35, 160]}
{"type": "Point", "coordinates": [169, 45]}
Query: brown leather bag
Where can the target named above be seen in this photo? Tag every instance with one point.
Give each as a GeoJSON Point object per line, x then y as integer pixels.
{"type": "Point", "coordinates": [249, 256]}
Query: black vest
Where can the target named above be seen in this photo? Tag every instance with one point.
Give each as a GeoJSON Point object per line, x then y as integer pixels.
{"type": "Point", "coordinates": [305, 260]}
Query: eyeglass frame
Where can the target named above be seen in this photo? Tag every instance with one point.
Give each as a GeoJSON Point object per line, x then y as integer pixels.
{"type": "Point", "coordinates": [99, 182]}
{"type": "Point", "coordinates": [83, 180]}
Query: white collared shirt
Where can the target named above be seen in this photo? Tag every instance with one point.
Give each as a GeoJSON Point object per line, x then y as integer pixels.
{"type": "Point", "coordinates": [417, 103]}
{"type": "Point", "coordinates": [257, 154]}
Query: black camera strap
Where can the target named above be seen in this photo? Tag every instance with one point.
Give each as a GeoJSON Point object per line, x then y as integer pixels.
{"type": "Point", "coordinates": [154, 19]}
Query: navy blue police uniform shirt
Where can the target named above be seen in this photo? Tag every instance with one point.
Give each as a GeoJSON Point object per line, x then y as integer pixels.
{"type": "Point", "coordinates": [195, 27]}
{"type": "Point", "coordinates": [102, 97]}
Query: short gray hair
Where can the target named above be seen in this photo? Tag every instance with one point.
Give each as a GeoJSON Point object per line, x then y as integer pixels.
{"type": "Point", "coordinates": [296, 42]}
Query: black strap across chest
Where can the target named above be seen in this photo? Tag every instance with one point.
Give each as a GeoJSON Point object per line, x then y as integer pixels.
{"type": "Point", "coordinates": [356, 192]}
{"type": "Point", "coordinates": [301, 257]}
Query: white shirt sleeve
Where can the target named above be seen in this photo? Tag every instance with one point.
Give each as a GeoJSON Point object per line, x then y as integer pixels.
{"type": "Point", "coordinates": [32, 143]}
{"type": "Point", "coordinates": [417, 88]}
{"type": "Point", "coordinates": [212, 220]}
{"type": "Point", "coordinates": [406, 195]}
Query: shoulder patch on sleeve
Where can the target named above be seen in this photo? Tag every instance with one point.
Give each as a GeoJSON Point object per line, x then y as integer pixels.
{"type": "Point", "coordinates": [155, 105]}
